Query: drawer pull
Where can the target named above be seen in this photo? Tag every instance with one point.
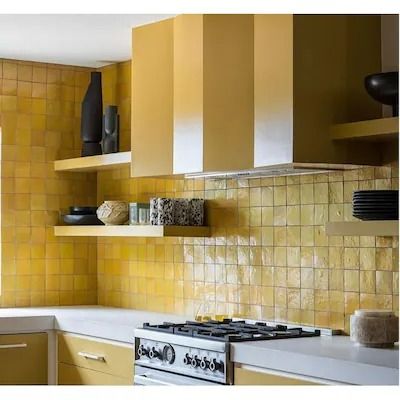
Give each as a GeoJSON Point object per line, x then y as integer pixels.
{"type": "Point", "coordinates": [13, 346]}
{"type": "Point", "coordinates": [90, 356]}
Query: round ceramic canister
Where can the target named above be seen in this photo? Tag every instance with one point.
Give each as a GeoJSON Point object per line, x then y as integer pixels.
{"type": "Point", "coordinates": [374, 328]}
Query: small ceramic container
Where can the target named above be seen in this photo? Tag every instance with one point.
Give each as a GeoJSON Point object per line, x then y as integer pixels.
{"type": "Point", "coordinates": [154, 211]}
{"type": "Point", "coordinates": [181, 211]}
{"type": "Point", "coordinates": [374, 328]}
{"type": "Point", "coordinates": [196, 212]}
{"type": "Point", "coordinates": [165, 209]}
{"type": "Point", "coordinates": [113, 212]}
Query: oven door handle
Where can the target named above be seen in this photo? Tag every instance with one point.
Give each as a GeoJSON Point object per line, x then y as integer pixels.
{"type": "Point", "coordinates": [147, 380]}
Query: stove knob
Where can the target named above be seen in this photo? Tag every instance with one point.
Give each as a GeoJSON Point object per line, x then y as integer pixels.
{"type": "Point", "coordinates": [187, 359]}
{"type": "Point", "coordinates": [216, 366]}
{"type": "Point", "coordinates": [142, 351]}
{"type": "Point", "coordinates": [195, 362]}
{"type": "Point", "coordinates": [153, 353]}
{"type": "Point", "coordinates": [204, 363]}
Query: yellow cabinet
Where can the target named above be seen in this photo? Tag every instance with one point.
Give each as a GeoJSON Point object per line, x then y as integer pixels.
{"type": "Point", "coordinates": [23, 359]}
{"type": "Point", "coordinates": [83, 360]}
{"type": "Point", "coordinates": [249, 376]}
{"type": "Point", "coordinates": [73, 375]}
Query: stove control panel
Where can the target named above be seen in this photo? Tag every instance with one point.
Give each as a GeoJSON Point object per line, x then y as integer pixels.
{"type": "Point", "coordinates": [186, 360]}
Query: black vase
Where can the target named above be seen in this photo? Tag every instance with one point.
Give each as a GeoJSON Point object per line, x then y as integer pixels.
{"type": "Point", "coordinates": [111, 130]}
{"type": "Point", "coordinates": [92, 117]}
{"type": "Point", "coordinates": [384, 87]}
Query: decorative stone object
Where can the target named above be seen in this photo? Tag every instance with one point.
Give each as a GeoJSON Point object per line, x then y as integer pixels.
{"type": "Point", "coordinates": [92, 117]}
{"type": "Point", "coordinates": [113, 212]}
{"type": "Point", "coordinates": [196, 217]}
{"type": "Point", "coordinates": [154, 211]}
{"type": "Point", "coordinates": [374, 328]}
{"type": "Point", "coordinates": [181, 211]}
{"type": "Point", "coordinates": [165, 208]}
{"type": "Point", "coordinates": [111, 130]}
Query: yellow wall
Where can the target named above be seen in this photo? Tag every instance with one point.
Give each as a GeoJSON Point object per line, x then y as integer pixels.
{"type": "Point", "coordinates": [268, 256]}
{"type": "Point", "coordinates": [40, 122]}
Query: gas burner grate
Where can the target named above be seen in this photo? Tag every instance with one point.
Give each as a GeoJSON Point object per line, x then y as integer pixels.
{"type": "Point", "coordinates": [232, 331]}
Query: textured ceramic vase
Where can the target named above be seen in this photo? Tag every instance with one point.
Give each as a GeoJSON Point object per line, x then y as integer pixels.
{"type": "Point", "coordinates": [113, 212]}
{"type": "Point", "coordinates": [92, 117]}
{"type": "Point", "coordinates": [374, 328]}
{"type": "Point", "coordinates": [111, 130]}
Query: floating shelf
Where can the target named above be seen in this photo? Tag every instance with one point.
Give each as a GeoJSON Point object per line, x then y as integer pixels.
{"type": "Point", "coordinates": [132, 230]}
{"type": "Point", "coordinates": [374, 130]}
{"type": "Point", "coordinates": [94, 163]}
{"type": "Point", "coordinates": [363, 228]}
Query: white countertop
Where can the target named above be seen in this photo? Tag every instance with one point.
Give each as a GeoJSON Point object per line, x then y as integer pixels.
{"type": "Point", "coordinates": [333, 358]}
{"type": "Point", "coordinates": [102, 322]}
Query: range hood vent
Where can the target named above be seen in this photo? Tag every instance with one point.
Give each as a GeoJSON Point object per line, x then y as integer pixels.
{"type": "Point", "coordinates": [275, 170]}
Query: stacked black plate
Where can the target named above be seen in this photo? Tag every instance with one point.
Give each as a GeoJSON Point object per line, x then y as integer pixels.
{"type": "Point", "coordinates": [82, 215]}
{"type": "Point", "coordinates": [376, 204]}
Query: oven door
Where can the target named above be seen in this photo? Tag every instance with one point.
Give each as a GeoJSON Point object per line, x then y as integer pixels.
{"type": "Point", "coordinates": [153, 377]}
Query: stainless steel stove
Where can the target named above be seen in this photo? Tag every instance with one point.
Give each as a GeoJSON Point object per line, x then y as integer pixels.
{"type": "Point", "coordinates": [198, 353]}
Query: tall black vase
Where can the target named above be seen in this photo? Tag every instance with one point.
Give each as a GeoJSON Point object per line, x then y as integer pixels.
{"type": "Point", "coordinates": [111, 130]}
{"type": "Point", "coordinates": [92, 117]}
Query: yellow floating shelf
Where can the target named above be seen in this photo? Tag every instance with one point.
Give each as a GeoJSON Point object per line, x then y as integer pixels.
{"type": "Point", "coordinates": [94, 163]}
{"type": "Point", "coordinates": [363, 228]}
{"type": "Point", "coordinates": [375, 130]}
{"type": "Point", "coordinates": [132, 230]}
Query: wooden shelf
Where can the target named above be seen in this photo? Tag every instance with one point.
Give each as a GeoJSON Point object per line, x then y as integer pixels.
{"type": "Point", "coordinates": [94, 163]}
{"type": "Point", "coordinates": [374, 130]}
{"type": "Point", "coordinates": [132, 230]}
{"type": "Point", "coordinates": [363, 228]}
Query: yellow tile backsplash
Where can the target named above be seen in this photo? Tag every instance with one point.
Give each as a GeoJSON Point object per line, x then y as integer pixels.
{"type": "Point", "coordinates": [262, 261]}
{"type": "Point", "coordinates": [39, 121]}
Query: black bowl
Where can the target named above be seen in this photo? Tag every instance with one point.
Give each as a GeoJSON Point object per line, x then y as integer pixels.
{"type": "Point", "coordinates": [82, 210]}
{"type": "Point", "coordinates": [384, 87]}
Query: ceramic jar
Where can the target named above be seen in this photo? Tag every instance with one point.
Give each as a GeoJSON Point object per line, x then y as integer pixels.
{"type": "Point", "coordinates": [374, 328]}
{"type": "Point", "coordinates": [113, 212]}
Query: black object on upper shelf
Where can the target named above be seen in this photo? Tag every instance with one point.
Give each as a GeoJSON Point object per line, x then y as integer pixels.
{"type": "Point", "coordinates": [92, 117]}
{"type": "Point", "coordinates": [384, 87]}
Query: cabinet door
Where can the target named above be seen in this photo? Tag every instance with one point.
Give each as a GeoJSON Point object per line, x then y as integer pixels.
{"type": "Point", "coordinates": [86, 361]}
{"type": "Point", "coordinates": [23, 359]}
{"type": "Point", "coordinates": [73, 375]}
{"type": "Point", "coordinates": [244, 376]}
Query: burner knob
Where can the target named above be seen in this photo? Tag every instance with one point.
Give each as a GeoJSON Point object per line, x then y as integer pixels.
{"type": "Point", "coordinates": [187, 359]}
{"type": "Point", "coordinates": [142, 351]}
{"type": "Point", "coordinates": [204, 363]}
{"type": "Point", "coordinates": [195, 362]}
{"type": "Point", "coordinates": [153, 353]}
{"type": "Point", "coordinates": [216, 366]}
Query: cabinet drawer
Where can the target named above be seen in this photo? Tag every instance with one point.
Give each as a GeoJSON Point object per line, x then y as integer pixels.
{"type": "Point", "coordinates": [96, 355]}
{"type": "Point", "coordinates": [23, 359]}
{"type": "Point", "coordinates": [73, 375]}
{"type": "Point", "coordinates": [244, 376]}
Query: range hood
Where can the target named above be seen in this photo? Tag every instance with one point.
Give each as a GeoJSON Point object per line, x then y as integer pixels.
{"type": "Point", "coordinates": [254, 95]}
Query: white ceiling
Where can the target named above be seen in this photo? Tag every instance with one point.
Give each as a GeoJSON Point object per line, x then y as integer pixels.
{"type": "Point", "coordinates": [73, 39]}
